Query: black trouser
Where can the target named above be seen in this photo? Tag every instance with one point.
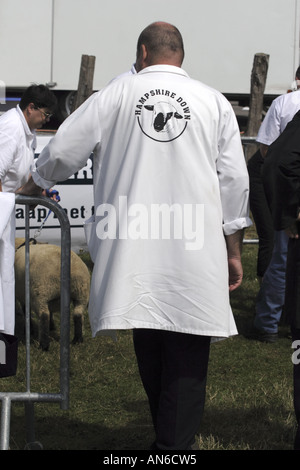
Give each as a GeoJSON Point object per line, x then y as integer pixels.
{"type": "Point", "coordinates": [173, 369]}
{"type": "Point", "coordinates": [261, 213]}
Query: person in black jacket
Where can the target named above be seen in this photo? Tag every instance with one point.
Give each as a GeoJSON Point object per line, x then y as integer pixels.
{"type": "Point", "coordinates": [281, 178]}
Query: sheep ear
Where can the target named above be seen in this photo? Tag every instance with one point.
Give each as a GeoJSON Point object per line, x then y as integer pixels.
{"type": "Point", "coordinates": [178, 116]}
{"type": "Point", "coordinates": [149, 107]}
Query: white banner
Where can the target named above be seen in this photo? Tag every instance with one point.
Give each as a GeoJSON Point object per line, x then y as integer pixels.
{"type": "Point", "coordinates": [76, 199]}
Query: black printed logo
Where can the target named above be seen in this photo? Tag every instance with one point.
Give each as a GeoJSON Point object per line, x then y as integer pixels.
{"type": "Point", "coordinates": [162, 115]}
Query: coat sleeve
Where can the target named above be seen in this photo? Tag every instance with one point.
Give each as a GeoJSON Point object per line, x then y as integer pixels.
{"type": "Point", "coordinates": [8, 148]}
{"type": "Point", "coordinates": [281, 175]}
{"type": "Point", "coordinates": [69, 150]}
{"type": "Point", "coordinates": [270, 128]}
{"type": "Point", "coordinates": [287, 190]}
{"type": "Point", "coordinates": [233, 175]}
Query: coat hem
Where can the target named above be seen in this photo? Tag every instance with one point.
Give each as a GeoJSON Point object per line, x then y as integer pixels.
{"type": "Point", "coordinates": [215, 335]}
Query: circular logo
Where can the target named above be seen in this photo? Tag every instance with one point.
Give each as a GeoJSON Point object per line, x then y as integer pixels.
{"type": "Point", "coordinates": [161, 121]}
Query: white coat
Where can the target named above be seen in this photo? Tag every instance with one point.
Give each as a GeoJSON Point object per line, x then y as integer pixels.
{"type": "Point", "coordinates": [17, 144]}
{"type": "Point", "coordinates": [7, 254]}
{"type": "Point", "coordinates": [163, 144]}
{"type": "Point", "coordinates": [280, 113]}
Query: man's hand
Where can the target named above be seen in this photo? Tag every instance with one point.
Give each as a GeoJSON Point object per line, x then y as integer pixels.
{"type": "Point", "coordinates": [235, 273]}
{"type": "Point", "coordinates": [30, 189]}
{"type": "Point", "coordinates": [234, 245]}
{"type": "Point", "coordinates": [52, 194]}
{"type": "Point", "coordinates": [263, 149]}
{"type": "Point", "coordinates": [292, 230]}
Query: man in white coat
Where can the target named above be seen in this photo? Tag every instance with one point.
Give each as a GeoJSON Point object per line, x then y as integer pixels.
{"type": "Point", "coordinates": [17, 146]}
{"type": "Point", "coordinates": [171, 202]}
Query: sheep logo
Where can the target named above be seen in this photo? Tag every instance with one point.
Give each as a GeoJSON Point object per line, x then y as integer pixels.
{"type": "Point", "coordinates": [2, 352]}
{"type": "Point", "coordinates": [162, 121]}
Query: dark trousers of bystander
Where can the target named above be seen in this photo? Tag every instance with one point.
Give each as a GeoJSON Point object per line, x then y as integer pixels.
{"type": "Point", "coordinates": [173, 368]}
{"type": "Point", "coordinates": [261, 213]}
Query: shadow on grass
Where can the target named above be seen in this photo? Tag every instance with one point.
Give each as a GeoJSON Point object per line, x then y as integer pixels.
{"type": "Point", "coordinates": [230, 429]}
{"type": "Point", "coordinates": [243, 307]}
{"type": "Point", "coordinates": [61, 432]}
{"type": "Point", "coordinates": [234, 429]}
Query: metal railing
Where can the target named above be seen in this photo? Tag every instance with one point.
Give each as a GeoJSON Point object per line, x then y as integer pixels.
{"type": "Point", "coordinates": [27, 396]}
{"type": "Point", "coordinates": [245, 142]}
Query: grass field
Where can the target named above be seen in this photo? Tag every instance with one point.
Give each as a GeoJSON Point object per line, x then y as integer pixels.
{"type": "Point", "coordinates": [249, 402]}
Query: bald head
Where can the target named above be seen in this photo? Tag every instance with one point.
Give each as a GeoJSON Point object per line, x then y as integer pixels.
{"type": "Point", "coordinates": [159, 43]}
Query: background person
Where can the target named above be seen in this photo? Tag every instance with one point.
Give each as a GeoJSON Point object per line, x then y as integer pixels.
{"type": "Point", "coordinates": [270, 299]}
{"type": "Point", "coordinates": [18, 137]}
{"type": "Point", "coordinates": [17, 146]}
{"type": "Point", "coordinates": [261, 213]}
{"type": "Point", "coordinates": [282, 174]}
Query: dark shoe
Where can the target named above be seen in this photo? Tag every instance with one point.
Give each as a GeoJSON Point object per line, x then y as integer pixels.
{"type": "Point", "coordinates": [263, 336]}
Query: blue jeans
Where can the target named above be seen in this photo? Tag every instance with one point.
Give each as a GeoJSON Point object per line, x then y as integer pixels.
{"type": "Point", "coordinates": [270, 299]}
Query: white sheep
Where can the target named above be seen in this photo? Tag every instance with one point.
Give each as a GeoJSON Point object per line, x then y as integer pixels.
{"type": "Point", "coordinates": [45, 261]}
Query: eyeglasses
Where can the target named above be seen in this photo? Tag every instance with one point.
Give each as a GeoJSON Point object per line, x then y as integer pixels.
{"type": "Point", "coordinates": [47, 115]}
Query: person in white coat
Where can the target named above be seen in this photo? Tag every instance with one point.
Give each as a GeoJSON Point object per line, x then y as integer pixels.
{"type": "Point", "coordinates": [18, 135]}
{"type": "Point", "coordinates": [171, 203]}
{"type": "Point", "coordinates": [17, 146]}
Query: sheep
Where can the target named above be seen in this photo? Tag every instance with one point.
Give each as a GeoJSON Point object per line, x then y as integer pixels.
{"type": "Point", "coordinates": [44, 272]}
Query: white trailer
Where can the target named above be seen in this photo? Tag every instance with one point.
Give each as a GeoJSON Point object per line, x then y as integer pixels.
{"type": "Point", "coordinates": [43, 41]}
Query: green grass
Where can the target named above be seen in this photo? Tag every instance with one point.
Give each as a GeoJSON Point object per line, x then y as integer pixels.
{"type": "Point", "coordinates": [249, 402]}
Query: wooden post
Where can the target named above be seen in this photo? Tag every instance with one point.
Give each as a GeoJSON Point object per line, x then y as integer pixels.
{"type": "Point", "coordinates": [85, 84]}
{"type": "Point", "coordinates": [258, 84]}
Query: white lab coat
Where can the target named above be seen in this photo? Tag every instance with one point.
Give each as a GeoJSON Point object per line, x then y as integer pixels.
{"type": "Point", "coordinates": [280, 113]}
{"type": "Point", "coordinates": [17, 144]}
{"type": "Point", "coordinates": [7, 254]}
{"type": "Point", "coordinates": [159, 138]}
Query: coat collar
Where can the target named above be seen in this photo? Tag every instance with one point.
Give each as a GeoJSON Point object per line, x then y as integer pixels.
{"type": "Point", "coordinates": [164, 68]}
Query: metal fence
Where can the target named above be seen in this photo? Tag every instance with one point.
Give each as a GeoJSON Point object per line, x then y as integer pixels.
{"type": "Point", "coordinates": [29, 398]}
{"type": "Point", "coordinates": [246, 141]}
